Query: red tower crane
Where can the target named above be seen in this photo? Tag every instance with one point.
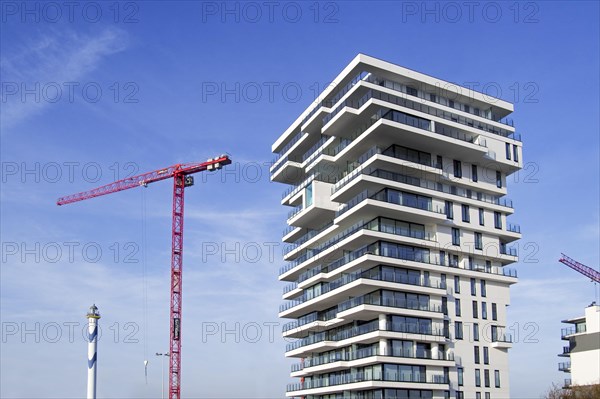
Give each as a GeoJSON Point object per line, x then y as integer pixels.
{"type": "Point", "coordinates": [583, 269]}
{"type": "Point", "coordinates": [181, 175]}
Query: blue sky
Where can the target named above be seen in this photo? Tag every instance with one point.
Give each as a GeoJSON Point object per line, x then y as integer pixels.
{"type": "Point", "coordinates": [100, 90]}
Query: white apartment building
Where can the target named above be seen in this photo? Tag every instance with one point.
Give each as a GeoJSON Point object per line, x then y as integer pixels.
{"type": "Point", "coordinates": [584, 348]}
{"type": "Point", "coordinates": [398, 238]}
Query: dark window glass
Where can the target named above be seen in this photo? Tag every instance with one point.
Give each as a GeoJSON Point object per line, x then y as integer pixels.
{"type": "Point", "coordinates": [486, 378]}
{"type": "Point", "coordinates": [475, 312]}
{"type": "Point", "coordinates": [447, 329]}
{"type": "Point", "coordinates": [411, 91]}
{"type": "Point", "coordinates": [461, 377]}
{"type": "Point", "coordinates": [457, 284]}
{"type": "Point", "coordinates": [473, 287]}
{"type": "Point", "coordinates": [457, 306]}
{"type": "Point", "coordinates": [477, 377]}
{"type": "Point", "coordinates": [458, 330]}
{"type": "Point", "coordinates": [466, 217]}
{"type": "Point", "coordinates": [455, 236]}
{"type": "Point", "coordinates": [476, 331]}
{"type": "Point", "coordinates": [497, 220]}
{"type": "Point", "coordinates": [483, 288]}
{"type": "Point", "coordinates": [454, 261]}
{"type": "Point", "coordinates": [440, 163]}
{"type": "Point", "coordinates": [507, 151]}
{"type": "Point", "coordinates": [516, 153]}
{"type": "Point", "coordinates": [457, 168]}
{"type": "Point", "coordinates": [474, 173]}
{"type": "Point", "coordinates": [494, 312]}
{"type": "Point", "coordinates": [486, 355]}
{"type": "Point", "coordinates": [497, 378]}
{"type": "Point", "coordinates": [484, 310]}
{"type": "Point", "coordinates": [476, 354]}
{"type": "Point", "coordinates": [478, 241]}
{"type": "Point", "coordinates": [445, 305]}
{"type": "Point", "coordinates": [481, 217]}
{"type": "Point", "coordinates": [449, 210]}
{"type": "Point", "coordinates": [498, 179]}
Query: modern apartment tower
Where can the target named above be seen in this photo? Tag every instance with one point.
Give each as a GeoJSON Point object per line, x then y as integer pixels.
{"type": "Point", "coordinates": [398, 238]}
{"type": "Point", "coordinates": [583, 350]}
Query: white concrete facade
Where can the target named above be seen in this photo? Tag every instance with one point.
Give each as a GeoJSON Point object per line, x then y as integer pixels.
{"type": "Point", "coordinates": [584, 348]}
{"type": "Point", "coordinates": [399, 238]}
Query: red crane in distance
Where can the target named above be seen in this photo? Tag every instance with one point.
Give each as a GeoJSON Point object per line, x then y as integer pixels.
{"type": "Point", "coordinates": [583, 269]}
{"type": "Point", "coordinates": [181, 175]}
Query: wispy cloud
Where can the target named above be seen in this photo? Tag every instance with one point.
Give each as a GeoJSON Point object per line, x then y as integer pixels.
{"type": "Point", "coordinates": [52, 56]}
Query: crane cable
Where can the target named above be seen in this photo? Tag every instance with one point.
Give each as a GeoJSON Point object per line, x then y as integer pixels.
{"type": "Point", "coordinates": [145, 281]}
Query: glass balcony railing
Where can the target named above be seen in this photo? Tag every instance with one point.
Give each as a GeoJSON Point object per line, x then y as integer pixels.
{"type": "Point", "coordinates": [384, 226]}
{"type": "Point", "coordinates": [581, 328]}
{"type": "Point", "coordinates": [375, 249]}
{"type": "Point", "coordinates": [566, 366]}
{"type": "Point", "coordinates": [286, 148]}
{"type": "Point", "coordinates": [353, 331]}
{"type": "Point", "coordinates": [353, 377]}
{"type": "Point", "coordinates": [347, 356]}
{"type": "Point", "coordinates": [506, 338]}
{"type": "Point", "coordinates": [423, 183]}
{"type": "Point", "coordinates": [448, 115]}
{"type": "Point", "coordinates": [388, 196]}
{"type": "Point", "coordinates": [425, 306]}
{"type": "Point", "coordinates": [504, 250]}
{"type": "Point", "coordinates": [369, 275]}
{"type": "Point", "coordinates": [341, 93]}
{"type": "Point", "coordinates": [515, 228]}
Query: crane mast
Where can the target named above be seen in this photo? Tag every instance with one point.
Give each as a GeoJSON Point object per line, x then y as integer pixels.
{"type": "Point", "coordinates": [181, 175]}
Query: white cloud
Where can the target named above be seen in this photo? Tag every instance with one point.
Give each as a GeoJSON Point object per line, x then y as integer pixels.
{"type": "Point", "coordinates": [53, 56]}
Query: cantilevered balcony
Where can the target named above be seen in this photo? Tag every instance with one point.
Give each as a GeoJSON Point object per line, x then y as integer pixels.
{"type": "Point", "coordinates": [565, 366]}
{"type": "Point", "coordinates": [379, 356]}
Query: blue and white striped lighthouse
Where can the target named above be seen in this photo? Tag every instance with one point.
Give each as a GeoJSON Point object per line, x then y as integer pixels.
{"type": "Point", "coordinates": [92, 316]}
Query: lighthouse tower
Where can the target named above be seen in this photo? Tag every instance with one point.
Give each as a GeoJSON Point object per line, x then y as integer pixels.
{"type": "Point", "coordinates": [92, 316]}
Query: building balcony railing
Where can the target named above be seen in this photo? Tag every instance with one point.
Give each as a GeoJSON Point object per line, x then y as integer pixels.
{"type": "Point", "coordinates": [515, 228]}
{"type": "Point", "coordinates": [375, 249]}
{"type": "Point", "coordinates": [362, 377]}
{"type": "Point", "coordinates": [566, 351]}
{"type": "Point", "coordinates": [581, 328]}
{"type": "Point", "coordinates": [296, 210]}
{"type": "Point", "coordinates": [406, 119]}
{"type": "Point", "coordinates": [565, 366]}
{"type": "Point", "coordinates": [377, 224]}
{"type": "Point", "coordinates": [568, 383]}
{"type": "Point", "coordinates": [330, 103]}
{"type": "Point", "coordinates": [382, 196]}
{"type": "Point", "coordinates": [423, 183]}
{"type": "Point", "coordinates": [504, 250]}
{"type": "Point", "coordinates": [369, 352]}
{"type": "Point", "coordinates": [425, 306]}
{"type": "Point", "coordinates": [286, 148]}
{"type": "Point", "coordinates": [367, 328]}
{"type": "Point", "coordinates": [304, 238]}
{"type": "Point", "coordinates": [420, 106]}
{"type": "Point", "coordinates": [311, 318]}
{"type": "Point", "coordinates": [378, 276]}
{"type": "Point", "coordinates": [507, 338]}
